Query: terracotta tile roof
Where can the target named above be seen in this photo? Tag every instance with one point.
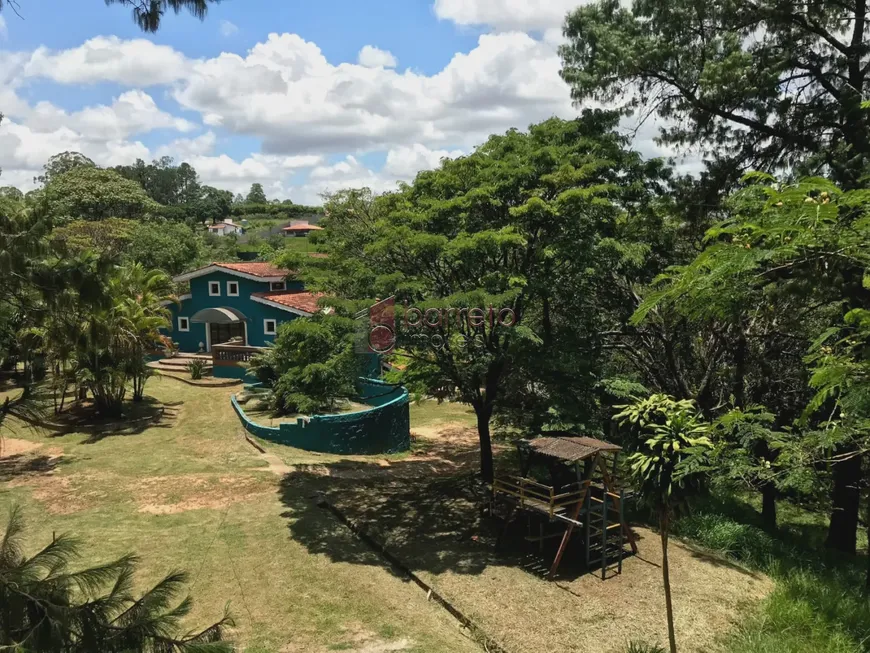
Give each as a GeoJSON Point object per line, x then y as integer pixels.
{"type": "Point", "coordinates": [258, 269]}
{"type": "Point", "coordinates": [303, 226]}
{"type": "Point", "coordinates": [298, 299]}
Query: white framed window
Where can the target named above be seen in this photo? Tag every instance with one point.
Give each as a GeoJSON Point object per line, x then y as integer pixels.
{"type": "Point", "coordinates": [278, 285]}
{"type": "Point", "coordinates": [270, 327]}
{"type": "Point", "coordinates": [214, 288]}
{"type": "Point", "coordinates": [183, 324]}
{"type": "Point", "coordinates": [232, 288]}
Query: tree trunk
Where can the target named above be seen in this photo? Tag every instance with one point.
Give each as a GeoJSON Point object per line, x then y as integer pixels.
{"type": "Point", "coordinates": [768, 506]}
{"type": "Point", "coordinates": [664, 526]}
{"type": "Point", "coordinates": [843, 531]}
{"type": "Point", "coordinates": [484, 413]}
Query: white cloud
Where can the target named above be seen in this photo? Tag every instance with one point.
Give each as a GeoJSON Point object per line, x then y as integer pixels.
{"type": "Point", "coordinates": [4, 31]}
{"type": "Point", "coordinates": [507, 14]}
{"type": "Point", "coordinates": [24, 148]}
{"type": "Point", "coordinates": [406, 161]}
{"type": "Point", "coordinates": [237, 176]}
{"type": "Point", "coordinates": [372, 57]}
{"type": "Point", "coordinates": [133, 112]}
{"type": "Point", "coordinates": [286, 93]}
{"type": "Point", "coordinates": [109, 59]}
{"type": "Point", "coordinates": [182, 149]}
{"type": "Point", "coordinates": [301, 107]}
{"type": "Point", "coordinates": [227, 28]}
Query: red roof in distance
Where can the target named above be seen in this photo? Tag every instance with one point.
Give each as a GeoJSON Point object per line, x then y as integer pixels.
{"type": "Point", "coordinates": [303, 226]}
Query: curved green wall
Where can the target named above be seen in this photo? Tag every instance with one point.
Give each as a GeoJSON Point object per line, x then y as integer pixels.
{"type": "Point", "coordinates": [384, 428]}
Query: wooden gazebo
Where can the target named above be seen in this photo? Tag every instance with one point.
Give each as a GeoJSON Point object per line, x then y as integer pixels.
{"type": "Point", "coordinates": [583, 493]}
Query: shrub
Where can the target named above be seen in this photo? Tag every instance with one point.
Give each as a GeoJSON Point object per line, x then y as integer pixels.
{"type": "Point", "coordinates": [195, 368]}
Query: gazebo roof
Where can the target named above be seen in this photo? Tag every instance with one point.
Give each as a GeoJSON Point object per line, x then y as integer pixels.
{"type": "Point", "coordinates": [567, 447]}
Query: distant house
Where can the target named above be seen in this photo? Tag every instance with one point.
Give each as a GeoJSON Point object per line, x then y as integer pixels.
{"type": "Point", "coordinates": [300, 228]}
{"type": "Point", "coordinates": [236, 300]}
{"type": "Point", "coordinates": [226, 228]}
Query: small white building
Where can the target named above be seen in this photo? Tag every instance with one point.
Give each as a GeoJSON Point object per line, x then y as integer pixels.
{"type": "Point", "coordinates": [225, 228]}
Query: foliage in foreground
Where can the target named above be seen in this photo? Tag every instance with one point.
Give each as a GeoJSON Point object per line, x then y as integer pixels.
{"type": "Point", "coordinates": [47, 607]}
{"type": "Point", "coordinates": [668, 466]}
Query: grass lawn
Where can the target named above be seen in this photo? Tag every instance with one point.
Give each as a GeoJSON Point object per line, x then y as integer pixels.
{"type": "Point", "coordinates": [183, 489]}
{"type": "Point", "coordinates": [189, 492]}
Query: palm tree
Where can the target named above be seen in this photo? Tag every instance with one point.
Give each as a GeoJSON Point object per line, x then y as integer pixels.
{"type": "Point", "coordinates": [668, 467]}
{"type": "Point", "coordinates": [47, 607]}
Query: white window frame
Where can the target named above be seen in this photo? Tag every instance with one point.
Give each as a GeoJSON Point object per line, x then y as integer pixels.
{"type": "Point", "coordinates": [211, 286]}
{"type": "Point", "coordinates": [230, 293]}
{"type": "Point", "coordinates": [183, 329]}
{"type": "Point", "coordinates": [282, 285]}
{"type": "Point", "coordinates": [266, 331]}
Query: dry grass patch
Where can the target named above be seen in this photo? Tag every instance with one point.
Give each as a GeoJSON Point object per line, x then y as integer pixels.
{"type": "Point", "coordinates": [167, 495]}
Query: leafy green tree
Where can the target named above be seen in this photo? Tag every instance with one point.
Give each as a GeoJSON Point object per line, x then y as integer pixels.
{"type": "Point", "coordinates": [525, 225]}
{"type": "Point", "coordinates": [50, 607]}
{"type": "Point", "coordinates": [795, 256]}
{"type": "Point", "coordinates": [147, 14]}
{"type": "Point", "coordinates": [668, 466]}
{"type": "Point", "coordinates": [256, 195]}
{"type": "Point", "coordinates": [213, 205]}
{"type": "Point", "coordinates": [312, 365]}
{"type": "Point", "coordinates": [62, 163]}
{"type": "Point", "coordinates": [841, 376]}
{"type": "Point", "coordinates": [163, 181]}
{"type": "Point", "coordinates": [166, 246]}
{"type": "Point", "coordinates": [91, 193]}
{"type": "Point", "coordinates": [12, 193]}
{"type": "Point", "coordinates": [763, 84]}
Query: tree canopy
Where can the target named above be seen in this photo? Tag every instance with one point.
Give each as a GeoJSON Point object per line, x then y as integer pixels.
{"type": "Point", "coordinates": [765, 84]}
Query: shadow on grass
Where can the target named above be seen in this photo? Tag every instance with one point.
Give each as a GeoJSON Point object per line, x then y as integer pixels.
{"type": "Point", "coordinates": [20, 465]}
{"type": "Point", "coordinates": [429, 512]}
{"type": "Point", "coordinates": [37, 410]}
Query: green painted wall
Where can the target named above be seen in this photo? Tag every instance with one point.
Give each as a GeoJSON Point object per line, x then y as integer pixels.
{"type": "Point", "coordinates": [385, 428]}
{"type": "Point", "coordinates": [200, 299]}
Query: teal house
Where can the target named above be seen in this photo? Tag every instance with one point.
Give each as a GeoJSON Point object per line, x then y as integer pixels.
{"type": "Point", "coordinates": [239, 302]}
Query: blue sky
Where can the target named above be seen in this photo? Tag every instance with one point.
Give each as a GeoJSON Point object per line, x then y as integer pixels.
{"type": "Point", "coordinates": [303, 97]}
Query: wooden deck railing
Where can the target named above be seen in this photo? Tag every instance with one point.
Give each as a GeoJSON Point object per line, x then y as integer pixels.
{"type": "Point", "coordinates": [232, 355]}
{"type": "Point", "coordinates": [531, 494]}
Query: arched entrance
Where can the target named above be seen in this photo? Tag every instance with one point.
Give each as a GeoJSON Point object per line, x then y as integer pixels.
{"type": "Point", "coordinates": [222, 325]}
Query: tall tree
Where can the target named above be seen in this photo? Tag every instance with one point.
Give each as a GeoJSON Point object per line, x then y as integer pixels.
{"type": "Point", "coordinates": [213, 205]}
{"type": "Point", "coordinates": [91, 193]}
{"type": "Point", "coordinates": [62, 163]}
{"type": "Point", "coordinates": [761, 83]}
{"type": "Point", "coordinates": [793, 257]}
{"type": "Point", "coordinates": [519, 225]}
{"type": "Point", "coordinates": [256, 195]}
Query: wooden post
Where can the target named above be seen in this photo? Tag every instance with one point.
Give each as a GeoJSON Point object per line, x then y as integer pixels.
{"type": "Point", "coordinates": [567, 535]}
{"type": "Point", "coordinates": [621, 534]}
{"type": "Point", "coordinates": [604, 533]}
